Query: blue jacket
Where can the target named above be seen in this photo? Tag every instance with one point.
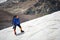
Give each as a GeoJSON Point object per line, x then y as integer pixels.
{"type": "Point", "coordinates": [16, 21]}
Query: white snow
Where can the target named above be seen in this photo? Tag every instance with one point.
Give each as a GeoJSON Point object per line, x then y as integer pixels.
{"type": "Point", "coordinates": [42, 28]}
{"type": "Point", "coordinates": [1, 1]}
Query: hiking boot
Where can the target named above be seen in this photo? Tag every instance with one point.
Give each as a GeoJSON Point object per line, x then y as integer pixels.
{"type": "Point", "coordinates": [22, 31]}
{"type": "Point", "coordinates": [15, 33]}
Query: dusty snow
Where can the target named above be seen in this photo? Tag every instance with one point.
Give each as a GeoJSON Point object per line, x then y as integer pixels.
{"type": "Point", "coordinates": [1, 1]}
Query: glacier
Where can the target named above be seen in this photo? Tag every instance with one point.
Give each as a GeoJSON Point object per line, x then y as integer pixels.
{"type": "Point", "coordinates": [42, 28]}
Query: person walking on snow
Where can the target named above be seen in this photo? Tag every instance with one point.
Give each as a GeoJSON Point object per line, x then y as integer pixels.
{"type": "Point", "coordinates": [16, 22]}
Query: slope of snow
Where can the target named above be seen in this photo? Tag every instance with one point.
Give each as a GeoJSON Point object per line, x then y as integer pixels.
{"type": "Point", "coordinates": [1, 1]}
{"type": "Point", "coordinates": [43, 28]}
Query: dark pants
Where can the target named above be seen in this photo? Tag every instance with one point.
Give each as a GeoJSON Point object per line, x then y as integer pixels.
{"type": "Point", "coordinates": [15, 27]}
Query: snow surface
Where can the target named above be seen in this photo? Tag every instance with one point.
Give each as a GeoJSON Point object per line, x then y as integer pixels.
{"type": "Point", "coordinates": [42, 28]}
{"type": "Point", "coordinates": [1, 1]}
